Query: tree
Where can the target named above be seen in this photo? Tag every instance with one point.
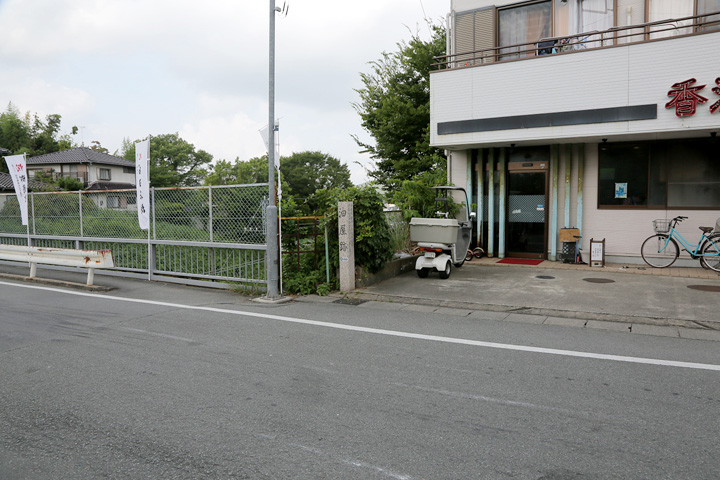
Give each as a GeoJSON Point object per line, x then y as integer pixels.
{"type": "Point", "coordinates": [223, 172]}
{"type": "Point", "coordinates": [29, 134]}
{"type": "Point", "coordinates": [304, 175]}
{"type": "Point", "coordinates": [173, 161]}
{"type": "Point", "coordinates": [14, 131]}
{"type": "Point", "coordinates": [395, 109]}
{"type": "Point", "coordinates": [97, 146]}
{"type": "Point", "coordinates": [70, 184]}
{"type": "Point", "coordinates": [307, 172]}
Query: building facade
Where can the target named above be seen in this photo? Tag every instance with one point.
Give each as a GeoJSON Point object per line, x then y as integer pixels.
{"type": "Point", "coordinates": [86, 165]}
{"type": "Point", "coordinates": [600, 115]}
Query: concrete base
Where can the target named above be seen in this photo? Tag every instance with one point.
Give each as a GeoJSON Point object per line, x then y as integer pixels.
{"type": "Point", "coordinates": [391, 269]}
{"type": "Point", "coordinates": [272, 301]}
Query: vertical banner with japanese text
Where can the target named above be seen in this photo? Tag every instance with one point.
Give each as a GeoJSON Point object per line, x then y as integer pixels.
{"type": "Point", "coordinates": [265, 134]}
{"type": "Point", "coordinates": [18, 172]}
{"type": "Point", "coordinates": [142, 179]}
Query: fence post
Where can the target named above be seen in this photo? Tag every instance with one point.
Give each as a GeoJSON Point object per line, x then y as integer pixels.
{"type": "Point", "coordinates": [81, 212]}
{"type": "Point", "coordinates": [346, 237]}
{"type": "Point", "coordinates": [210, 220]}
{"type": "Point", "coordinates": [32, 202]}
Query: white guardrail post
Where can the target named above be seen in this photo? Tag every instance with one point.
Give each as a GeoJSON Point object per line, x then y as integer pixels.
{"type": "Point", "coordinates": [90, 259]}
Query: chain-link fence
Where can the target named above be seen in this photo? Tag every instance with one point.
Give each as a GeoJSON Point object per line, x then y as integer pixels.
{"type": "Point", "coordinates": [200, 233]}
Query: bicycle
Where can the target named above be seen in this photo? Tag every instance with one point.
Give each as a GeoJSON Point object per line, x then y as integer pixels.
{"type": "Point", "coordinates": [476, 253]}
{"type": "Point", "coordinates": [661, 250]}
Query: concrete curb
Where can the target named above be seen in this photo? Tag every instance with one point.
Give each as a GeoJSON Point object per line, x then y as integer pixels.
{"type": "Point", "coordinates": [56, 283]}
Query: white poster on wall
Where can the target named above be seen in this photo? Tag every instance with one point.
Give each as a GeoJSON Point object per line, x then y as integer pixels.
{"type": "Point", "coordinates": [18, 172]}
{"type": "Point", "coordinates": [142, 178]}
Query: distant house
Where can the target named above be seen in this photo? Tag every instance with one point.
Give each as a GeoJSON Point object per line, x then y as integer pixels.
{"type": "Point", "coordinates": [7, 189]}
{"type": "Point", "coordinates": [91, 167]}
{"type": "Point", "coordinates": [6, 185]}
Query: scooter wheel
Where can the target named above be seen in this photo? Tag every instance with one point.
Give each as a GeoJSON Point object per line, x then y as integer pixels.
{"type": "Point", "coordinates": [423, 272]}
{"type": "Point", "coordinates": [446, 273]}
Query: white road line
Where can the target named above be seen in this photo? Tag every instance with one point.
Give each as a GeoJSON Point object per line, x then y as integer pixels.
{"type": "Point", "coordinates": [393, 333]}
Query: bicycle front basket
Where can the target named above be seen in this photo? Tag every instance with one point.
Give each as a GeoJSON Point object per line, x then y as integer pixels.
{"type": "Point", "coordinates": [661, 225]}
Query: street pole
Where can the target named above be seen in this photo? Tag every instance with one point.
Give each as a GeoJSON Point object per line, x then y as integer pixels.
{"type": "Point", "coordinates": [271, 255]}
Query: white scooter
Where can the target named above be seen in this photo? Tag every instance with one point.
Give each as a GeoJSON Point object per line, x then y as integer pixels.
{"type": "Point", "coordinates": [443, 241]}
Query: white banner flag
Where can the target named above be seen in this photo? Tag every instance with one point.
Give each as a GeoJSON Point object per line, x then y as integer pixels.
{"type": "Point", "coordinates": [142, 178]}
{"type": "Point", "coordinates": [265, 134]}
{"type": "Point", "coordinates": [18, 172]}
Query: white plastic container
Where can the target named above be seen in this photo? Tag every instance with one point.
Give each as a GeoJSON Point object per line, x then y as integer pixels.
{"type": "Point", "coordinates": [434, 230]}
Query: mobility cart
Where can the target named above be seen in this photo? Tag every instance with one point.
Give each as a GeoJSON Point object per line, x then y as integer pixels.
{"type": "Point", "coordinates": [443, 241]}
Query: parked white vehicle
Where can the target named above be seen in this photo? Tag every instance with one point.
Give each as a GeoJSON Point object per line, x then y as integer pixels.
{"type": "Point", "coordinates": [443, 241]}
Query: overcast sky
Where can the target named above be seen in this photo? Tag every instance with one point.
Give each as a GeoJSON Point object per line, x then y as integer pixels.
{"type": "Point", "coordinates": [129, 68]}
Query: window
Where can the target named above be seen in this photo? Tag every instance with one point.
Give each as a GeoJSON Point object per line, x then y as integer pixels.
{"type": "Point", "coordinates": [128, 169]}
{"type": "Point", "coordinates": [524, 24]}
{"type": "Point", "coordinates": [113, 202]}
{"type": "Point", "coordinates": [669, 9]}
{"type": "Point", "coordinates": [667, 174]}
{"type": "Point", "coordinates": [709, 6]}
{"type": "Point", "coordinates": [578, 16]}
{"type": "Point", "coordinates": [104, 174]}
{"type": "Point", "coordinates": [630, 12]}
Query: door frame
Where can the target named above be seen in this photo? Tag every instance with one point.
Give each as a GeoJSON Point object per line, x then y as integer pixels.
{"type": "Point", "coordinates": [529, 167]}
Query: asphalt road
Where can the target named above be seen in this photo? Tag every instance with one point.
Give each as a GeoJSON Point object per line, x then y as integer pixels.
{"type": "Point", "coordinates": [102, 386]}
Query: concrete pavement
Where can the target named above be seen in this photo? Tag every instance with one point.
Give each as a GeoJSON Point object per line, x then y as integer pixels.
{"type": "Point", "coordinates": [674, 302]}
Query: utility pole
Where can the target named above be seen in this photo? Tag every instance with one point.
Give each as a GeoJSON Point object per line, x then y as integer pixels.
{"type": "Point", "coordinates": [271, 255]}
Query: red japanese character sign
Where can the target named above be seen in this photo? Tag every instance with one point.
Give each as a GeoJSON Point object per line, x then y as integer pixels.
{"type": "Point", "coordinates": [715, 106]}
{"type": "Point", "coordinates": [685, 98]}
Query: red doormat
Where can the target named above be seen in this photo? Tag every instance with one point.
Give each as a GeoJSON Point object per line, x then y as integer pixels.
{"type": "Point", "coordinates": [521, 261]}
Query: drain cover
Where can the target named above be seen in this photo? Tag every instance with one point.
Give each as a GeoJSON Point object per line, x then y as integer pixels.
{"type": "Point", "coordinates": [545, 277]}
{"type": "Point", "coordinates": [350, 301]}
{"type": "Point", "coordinates": [599, 280]}
{"type": "Point", "coordinates": [705, 288]}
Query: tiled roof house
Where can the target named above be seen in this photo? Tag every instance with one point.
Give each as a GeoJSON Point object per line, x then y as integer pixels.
{"type": "Point", "coordinates": [90, 166]}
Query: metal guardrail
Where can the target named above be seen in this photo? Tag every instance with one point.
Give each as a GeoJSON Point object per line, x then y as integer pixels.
{"type": "Point", "coordinates": [198, 235]}
{"type": "Point", "coordinates": [616, 36]}
{"type": "Point", "coordinates": [90, 259]}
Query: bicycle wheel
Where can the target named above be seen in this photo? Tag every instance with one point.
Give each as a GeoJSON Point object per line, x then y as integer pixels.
{"type": "Point", "coordinates": [659, 251]}
{"type": "Point", "coordinates": [711, 254]}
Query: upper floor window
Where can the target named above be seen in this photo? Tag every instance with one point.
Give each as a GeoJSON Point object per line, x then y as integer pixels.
{"type": "Point", "coordinates": [523, 24]}
{"type": "Point", "coordinates": [584, 16]}
{"type": "Point", "coordinates": [670, 9]}
{"type": "Point", "coordinates": [709, 6]}
{"type": "Point", "coordinates": [105, 174]}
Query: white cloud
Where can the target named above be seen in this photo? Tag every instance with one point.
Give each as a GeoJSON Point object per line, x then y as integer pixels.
{"type": "Point", "coordinates": [131, 68]}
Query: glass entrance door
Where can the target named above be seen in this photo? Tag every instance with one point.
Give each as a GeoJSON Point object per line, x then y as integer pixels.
{"type": "Point", "coordinates": [526, 213]}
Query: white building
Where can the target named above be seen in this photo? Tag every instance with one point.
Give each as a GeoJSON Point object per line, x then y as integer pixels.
{"type": "Point", "coordinates": [595, 114]}
{"type": "Point", "coordinates": [87, 165]}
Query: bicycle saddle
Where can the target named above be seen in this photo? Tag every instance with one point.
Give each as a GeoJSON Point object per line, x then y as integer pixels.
{"type": "Point", "coordinates": [706, 229]}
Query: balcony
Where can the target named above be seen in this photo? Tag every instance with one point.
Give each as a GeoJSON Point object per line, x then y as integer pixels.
{"type": "Point", "coordinates": [616, 36]}
{"type": "Point", "coordinates": [582, 88]}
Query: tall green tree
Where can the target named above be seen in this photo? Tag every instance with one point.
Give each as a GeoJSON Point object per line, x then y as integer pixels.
{"type": "Point", "coordinates": [395, 110]}
{"type": "Point", "coordinates": [250, 171]}
{"type": "Point", "coordinates": [305, 175]}
{"type": "Point", "coordinates": [174, 162]}
{"type": "Point", "coordinates": [26, 133]}
{"type": "Point", "coordinates": [307, 172]}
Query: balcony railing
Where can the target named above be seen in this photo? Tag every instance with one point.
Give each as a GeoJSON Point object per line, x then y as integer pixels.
{"type": "Point", "coordinates": [616, 36]}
